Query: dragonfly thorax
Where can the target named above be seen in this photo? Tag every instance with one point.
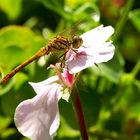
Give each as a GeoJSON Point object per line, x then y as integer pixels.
{"type": "Point", "coordinates": [62, 43]}
{"type": "Point", "coordinates": [59, 43]}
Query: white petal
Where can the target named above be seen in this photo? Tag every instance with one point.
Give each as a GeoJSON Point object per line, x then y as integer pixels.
{"type": "Point", "coordinates": [38, 118]}
{"type": "Point", "coordinates": [91, 56]}
{"type": "Point", "coordinates": [103, 54]}
{"type": "Point", "coordinates": [97, 36]}
{"type": "Point", "coordinates": [55, 124]}
{"type": "Point", "coordinates": [39, 87]}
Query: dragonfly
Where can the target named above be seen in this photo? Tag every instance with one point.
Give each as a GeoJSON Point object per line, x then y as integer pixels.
{"type": "Point", "coordinates": [58, 43]}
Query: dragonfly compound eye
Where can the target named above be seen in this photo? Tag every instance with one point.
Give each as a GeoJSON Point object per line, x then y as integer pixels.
{"type": "Point", "coordinates": [77, 42]}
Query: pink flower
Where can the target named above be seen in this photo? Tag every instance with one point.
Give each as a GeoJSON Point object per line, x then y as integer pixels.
{"type": "Point", "coordinates": [94, 50]}
{"type": "Point", "coordinates": [38, 118]}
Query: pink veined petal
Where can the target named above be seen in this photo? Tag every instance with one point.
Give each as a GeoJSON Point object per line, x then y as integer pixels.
{"type": "Point", "coordinates": [38, 118]}
{"type": "Point", "coordinates": [97, 36]}
{"type": "Point", "coordinates": [70, 54]}
{"type": "Point", "coordinates": [90, 56]}
{"type": "Point", "coordinates": [79, 63]}
{"type": "Point", "coordinates": [69, 78]}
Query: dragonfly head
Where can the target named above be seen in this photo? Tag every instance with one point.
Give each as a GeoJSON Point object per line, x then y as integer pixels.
{"type": "Point", "coordinates": [76, 42]}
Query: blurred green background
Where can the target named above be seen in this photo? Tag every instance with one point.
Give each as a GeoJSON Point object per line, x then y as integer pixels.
{"type": "Point", "coordinates": [110, 97]}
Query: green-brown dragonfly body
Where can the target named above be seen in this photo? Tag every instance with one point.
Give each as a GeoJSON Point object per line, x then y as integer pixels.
{"type": "Point", "coordinates": [59, 43]}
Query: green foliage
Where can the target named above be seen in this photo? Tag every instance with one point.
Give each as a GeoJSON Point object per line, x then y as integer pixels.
{"type": "Point", "coordinates": [110, 94]}
{"type": "Point", "coordinates": [135, 18]}
{"type": "Point", "coordinates": [12, 10]}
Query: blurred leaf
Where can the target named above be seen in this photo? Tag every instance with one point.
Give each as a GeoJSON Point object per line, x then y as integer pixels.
{"type": "Point", "coordinates": [66, 131]}
{"type": "Point", "coordinates": [57, 6]}
{"type": "Point", "coordinates": [64, 107]}
{"type": "Point", "coordinates": [21, 78]}
{"type": "Point", "coordinates": [135, 18]}
{"type": "Point", "coordinates": [10, 100]}
{"type": "Point", "coordinates": [25, 138]}
{"type": "Point", "coordinates": [12, 9]}
{"type": "Point", "coordinates": [8, 132]}
{"type": "Point", "coordinates": [128, 94]}
{"type": "Point", "coordinates": [7, 88]}
{"type": "Point", "coordinates": [4, 122]}
{"type": "Point", "coordinates": [17, 44]}
{"type": "Point", "coordinates": [135, 109]}
{"type": "Point", "coordinates": [130, 47]}
{"type": "Point", "coordinates": [112, 69]}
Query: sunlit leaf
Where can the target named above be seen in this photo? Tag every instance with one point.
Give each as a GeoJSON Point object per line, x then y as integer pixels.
{"type": "Point", "coordinates": [8, 132]}
{"type": "Point", "coordinates": [17, 44]}
{"type": "Point", "coordinates": [12, 9]}
{"type": "Point", "coordinates": [4, 122]}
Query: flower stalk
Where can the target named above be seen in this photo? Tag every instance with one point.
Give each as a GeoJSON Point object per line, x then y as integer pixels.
{"type": "Point", "coordinates": [75, 99]}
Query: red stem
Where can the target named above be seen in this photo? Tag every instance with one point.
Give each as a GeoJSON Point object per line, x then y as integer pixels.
{"type": "Point", "coordinates": [79, 114]}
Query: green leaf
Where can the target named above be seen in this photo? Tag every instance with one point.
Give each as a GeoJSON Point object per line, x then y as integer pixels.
{"type": "Point", "coordinates": [135, 109]}
{"type": "Point", "coordinates": [21, 78]}
{"type": "Point", "coordinates": [7, 88]}
{"type": "Point", "coordinates": [127, 97]}
{"type": "Point", "coordinates": [4, 122]}
{"type": "Point", "coordinates": [17, 44]}
{"type": "Point", "coordinates": [56, 6]}
{"type": "Point", "coordinates": [66, 131]}
{"type": "Point", "coordinates": [8, 132]}
{"type": "Point", "coordinates": [135, 18]}
{"type": "Point", "coordinates": [12, 9]}
{"type": "Point", "coordinates": [11, 99]}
